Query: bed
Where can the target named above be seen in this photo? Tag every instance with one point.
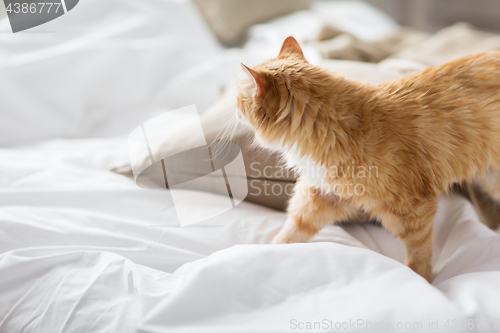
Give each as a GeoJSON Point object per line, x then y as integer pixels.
{"type": "Point", "coordinates": [83, 249]}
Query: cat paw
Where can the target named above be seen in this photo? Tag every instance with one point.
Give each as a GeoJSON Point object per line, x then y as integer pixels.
{"type": "Point", "coordinates": [290, 235]}
{"type": "Point", "coordinates": [422, 269]}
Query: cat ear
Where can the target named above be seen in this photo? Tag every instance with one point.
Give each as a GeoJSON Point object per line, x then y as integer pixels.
{"type": "Point", "coordinates": [256, 83]}
{"type": "Point", "coordinates": [290, 45]}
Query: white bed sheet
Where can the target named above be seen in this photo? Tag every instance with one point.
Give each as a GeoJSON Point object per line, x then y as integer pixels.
{"type": "Point", "coordinates": [86, 250]}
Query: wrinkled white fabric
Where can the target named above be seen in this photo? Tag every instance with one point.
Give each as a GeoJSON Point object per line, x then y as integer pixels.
{"type": "Point", "coordinates": [85, 250]}
{"type": "Point", "coordinates": [102, 68]}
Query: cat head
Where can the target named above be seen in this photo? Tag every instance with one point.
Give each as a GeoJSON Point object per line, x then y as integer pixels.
{"type": "Point", "coordinates": [280, 97]}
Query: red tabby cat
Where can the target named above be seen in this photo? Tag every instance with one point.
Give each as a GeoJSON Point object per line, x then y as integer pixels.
{"type": "Point", "coordinates": [388, 150]}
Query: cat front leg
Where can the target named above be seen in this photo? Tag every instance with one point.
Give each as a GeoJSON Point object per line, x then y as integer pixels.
{"type": "Point", "coordinates": [309, 211]}
{"type": "Point", "coordinates": [413, 226]}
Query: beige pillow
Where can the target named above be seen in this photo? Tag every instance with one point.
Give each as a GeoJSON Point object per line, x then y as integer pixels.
{"type": "Point", "coordinates": [269, 183]}
{"type": "Point", "coordinates": [229, 19]}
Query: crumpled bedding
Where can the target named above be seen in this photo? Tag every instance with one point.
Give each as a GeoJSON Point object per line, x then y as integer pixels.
{"type": "Point", "coordinates": [406, 45]}
{"type": "Point", "coordinates": [83, 249]}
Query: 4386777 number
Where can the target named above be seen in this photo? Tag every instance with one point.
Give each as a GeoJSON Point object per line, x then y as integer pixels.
{"type": "Point", "coordinates": [40, 7]}
{"type": "Point", "coordinates": [471, 324]}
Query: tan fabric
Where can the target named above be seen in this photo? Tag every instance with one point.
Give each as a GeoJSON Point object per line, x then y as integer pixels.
{"type": "Point", "coordinates": [230, 19]}
{"type": "Point", "coordinates": [450, 43]}
{"type": "Point", "coordinates": [336, 44]}
{"type": "Point", "coordinates": [486, 207]}
{"type": "Point", "coordinates": [447, 44]}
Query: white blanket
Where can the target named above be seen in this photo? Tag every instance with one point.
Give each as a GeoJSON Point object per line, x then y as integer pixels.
{"type": "Point", "coordinates": [85, 250]}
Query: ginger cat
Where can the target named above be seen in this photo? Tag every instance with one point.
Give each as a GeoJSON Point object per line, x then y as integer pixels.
{"type": "Point", "coordinates": [416, 135]}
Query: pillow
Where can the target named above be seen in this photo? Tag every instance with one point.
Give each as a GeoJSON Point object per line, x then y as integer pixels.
{"type": "Point", "coordinates": [269, 183]}
{"type": "Point", "coordinates": [229, 19]}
